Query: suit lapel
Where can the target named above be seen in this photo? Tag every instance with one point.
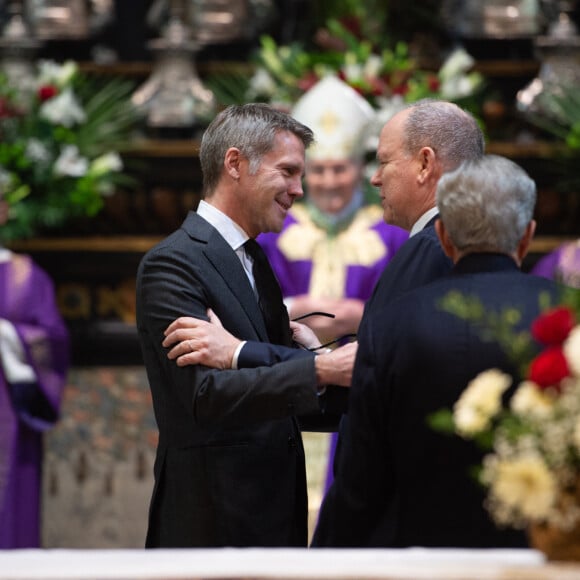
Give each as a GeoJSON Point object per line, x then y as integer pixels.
{"type": "Point", "coordinates": [227, 264]}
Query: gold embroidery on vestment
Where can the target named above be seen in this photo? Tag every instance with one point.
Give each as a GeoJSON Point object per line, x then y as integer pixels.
{"type": "Point", "coordinates": [357, 245]}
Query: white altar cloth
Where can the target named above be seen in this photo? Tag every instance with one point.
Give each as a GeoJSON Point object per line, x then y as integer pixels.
{"type": "Point", "coordinates": [281, 564]}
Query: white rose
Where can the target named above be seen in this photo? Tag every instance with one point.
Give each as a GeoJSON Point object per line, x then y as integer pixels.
{"type": "Point", "coordinates": [572, 351]}
{"type": "Point", "coordinates": [480, 401]}
{"type": "Point", "coordinates": [530, 400]}
{"type": "Point", "coordinates": [526, 485]}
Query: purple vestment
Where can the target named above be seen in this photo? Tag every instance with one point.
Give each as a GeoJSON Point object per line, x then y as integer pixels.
{"type": "Point", "coordinates": [562, 265]}
{"type": "Point", "coordinates": [28, 408]}
{"type": "Point", "coordinates": [345, 264]}
{"type": "Point", "coordinates": [362, 270]}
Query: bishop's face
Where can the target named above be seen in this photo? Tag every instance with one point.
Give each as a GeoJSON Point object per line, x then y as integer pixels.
{"type": "Point", "coordinates": [330, 184]}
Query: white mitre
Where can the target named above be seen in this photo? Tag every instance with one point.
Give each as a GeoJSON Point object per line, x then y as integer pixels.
{"type": "Point", "coordinates": [339, 118]}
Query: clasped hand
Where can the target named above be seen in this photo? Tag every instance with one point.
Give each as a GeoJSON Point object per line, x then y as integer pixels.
{"type": "Point", "coordinates": [194, 341]}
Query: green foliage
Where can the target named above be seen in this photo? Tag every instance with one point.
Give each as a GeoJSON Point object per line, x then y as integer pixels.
{"type": "Point", "coordinates": [493, 326]}
{"type": "Point", "coordinates": [442, 421]}
{"type": "Point", "coordinates": [380, 70]}
{"type": "Point", "coordinates": [60, 142]}
{"type": "Point", "coordinates": [560, 114]}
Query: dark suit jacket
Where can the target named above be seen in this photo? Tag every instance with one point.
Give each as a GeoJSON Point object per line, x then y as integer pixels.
{"type": "Point", "coordinates": [230, 466]}
{"type": "Point", "coordinates": [399, 483]}
{"type": "Point", "coordinates": [420, 260]}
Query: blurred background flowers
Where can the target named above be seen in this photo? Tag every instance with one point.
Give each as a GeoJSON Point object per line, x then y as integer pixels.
{"type": "Point", "coordinates": [60, 136]}
{"type": "Point", "coordinates": [383, 72]}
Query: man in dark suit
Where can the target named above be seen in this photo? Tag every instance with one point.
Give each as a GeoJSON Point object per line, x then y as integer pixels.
{"type": "Point", "coordinates": [416, 147]}
{"type": "Point", "coordinates": [230, 466]}
{"type": "Point", "coordinates": [397, 482]}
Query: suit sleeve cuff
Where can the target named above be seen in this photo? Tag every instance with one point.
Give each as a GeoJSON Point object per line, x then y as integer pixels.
{"type": "Point", "coordinates": [237, 354]}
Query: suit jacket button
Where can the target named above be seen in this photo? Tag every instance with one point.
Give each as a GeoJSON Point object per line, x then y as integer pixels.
{"type": "Point", "coordinates": [292, 441]}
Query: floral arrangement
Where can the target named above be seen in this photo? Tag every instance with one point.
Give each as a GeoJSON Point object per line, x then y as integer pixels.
{"type": "Point", "coordinates": [532, 468]}
{"type": "Point", "coordinates": [386, 76]}
{"type": "Point", "coordinates": [59, 140]}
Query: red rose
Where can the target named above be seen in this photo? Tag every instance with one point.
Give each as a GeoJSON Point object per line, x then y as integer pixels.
{"type": "Point", "coordinates": [549, 368]}
{"type": "Point", "coordinates": [433, 83]}
{"type": "Point", "coordinates": [553, 326]}
{"type": "Point", "coordinates": [401, 90]}
{"type": "Point", "coordinates": [46, 92]}
{"type": "Point", "coordinates": [352, 24]}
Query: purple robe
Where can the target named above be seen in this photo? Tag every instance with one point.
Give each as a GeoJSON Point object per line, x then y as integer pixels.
{"type": "Point", "coordinates": [291, 251]}
{"type": "Point", "coordinates": [562, 265]}
{"type": "Point", "coordinates": [295, 275]}
{"type": "Point", "coordinates": [28, 408]}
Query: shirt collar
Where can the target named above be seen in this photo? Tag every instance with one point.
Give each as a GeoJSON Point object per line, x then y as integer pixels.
{"type": "Point", "coordinates": [233, 234]}
{"type": "Point", "coordinates": [423, 221]}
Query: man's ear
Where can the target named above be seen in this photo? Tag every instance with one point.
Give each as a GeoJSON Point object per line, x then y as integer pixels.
{"type": "Point", "coordinates": [526, 240]}
{"type": "Point", "coordinates": [428, 163]}
{"type": "Point", "coordinates": [444, 239]}
{"type": "Point", "coordinates": [232, 162]}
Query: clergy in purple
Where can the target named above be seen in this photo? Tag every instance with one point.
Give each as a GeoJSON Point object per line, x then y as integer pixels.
{"type": "Point", "coordinates": [562, 264]}
{"type": "Point", "coordinates": [33, 365]}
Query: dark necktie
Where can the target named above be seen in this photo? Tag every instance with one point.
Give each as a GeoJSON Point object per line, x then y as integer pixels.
{"type": "Point", "coordinates": [269, 295]}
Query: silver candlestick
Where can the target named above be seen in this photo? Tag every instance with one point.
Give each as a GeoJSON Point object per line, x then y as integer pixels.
{"type": "Point", "coordinates": [174, 100]}
{"type": "Point", "coordinates": [559, 53]}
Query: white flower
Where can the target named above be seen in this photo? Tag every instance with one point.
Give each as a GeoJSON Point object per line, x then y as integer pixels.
{"type": "Point", "coordinates": [389, 106]}
{"type": "Point", "coordinates": [455, 81]}
{"type": "Point", "coordinates": [457, 63]}
{"type": "Point", "coordinates": [373, 66]}
{"type": "Point", "coordinates": [106, 163]}
{"type": "Point", "coordinates": [386, 108]}
{"type": "Point", "coordinates": [529, 400]}
{"type": "Point", "coordinates": [262, 83]}
{"type": "Point", "coordinates": [71, 163]}
{"type": "Point", "coordinates": [353, 71]}
{"type": "Point", "coordinates": [64, 109]}
{"type": "Point", "coordinates": [480, 401]}
{"type": "Point", "coordinates": [37, 151]}
{"type": "Point", "coordinates": [524, 484]}
{"type": "Point", "coordinates": [572, 351]}
{"type": "Point", "coordinates": [458, 87]}
{"type": "Point", "coordinates": [51, 72]}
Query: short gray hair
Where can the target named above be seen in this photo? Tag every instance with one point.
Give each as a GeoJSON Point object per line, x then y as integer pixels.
{"type": "Point", "coordinates": [251, 128]}
{"type": "Point", "coordinates": [486, 204]}
{"type": "Point", "coordinates": [453, 133]}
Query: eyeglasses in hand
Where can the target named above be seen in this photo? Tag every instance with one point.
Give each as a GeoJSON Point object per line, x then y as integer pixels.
{"type": "Point", "coordinates": [350, 336]}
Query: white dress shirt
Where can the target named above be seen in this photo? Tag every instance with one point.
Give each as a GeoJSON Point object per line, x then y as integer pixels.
{"type": "Point", "coordinates": [236, 237]}
{"type": "Point", "coordinates": [423, 221]}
